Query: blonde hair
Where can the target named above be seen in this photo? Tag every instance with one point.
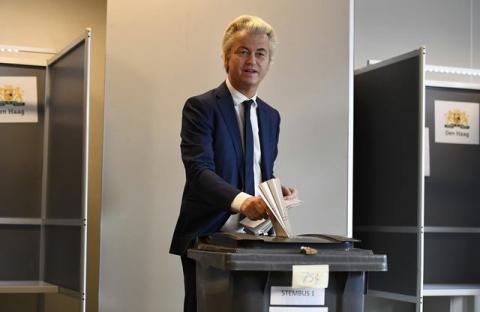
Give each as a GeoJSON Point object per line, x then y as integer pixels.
{"type": "Point", "coordinates": [253, 24]}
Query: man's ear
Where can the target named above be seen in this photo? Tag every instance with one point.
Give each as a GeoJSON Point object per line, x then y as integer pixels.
{"type": "Point", "coordinates": [225, 64]}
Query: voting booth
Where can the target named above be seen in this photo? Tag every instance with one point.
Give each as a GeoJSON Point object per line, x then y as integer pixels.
{"type": "Point", "coordinates": [417, 177]}
{"type": "Point", "coordinates": [44, 179]}
{"type": "Point", "coordinates": [315, 273]}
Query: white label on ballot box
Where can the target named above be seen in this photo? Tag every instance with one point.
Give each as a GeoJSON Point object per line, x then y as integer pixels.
{"type": "Point", "coordinates": [310, 276]}
{"type": "Point", "coordinates": [280, 295]}
{"type": "Point", "coordinates": [298, 309]}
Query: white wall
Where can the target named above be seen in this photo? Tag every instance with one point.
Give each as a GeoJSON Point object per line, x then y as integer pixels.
{"type": "Point", "coordinates": [161, 52]}
{"type": "Point", "coordinates": [449, 29]}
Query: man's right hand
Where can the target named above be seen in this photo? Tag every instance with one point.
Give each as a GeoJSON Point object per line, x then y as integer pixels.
{"type": "Point", "coordinates": [254, 208]}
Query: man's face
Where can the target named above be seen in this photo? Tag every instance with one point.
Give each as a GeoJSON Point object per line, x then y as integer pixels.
{"type": "Point", "coordinates": [249, 61]}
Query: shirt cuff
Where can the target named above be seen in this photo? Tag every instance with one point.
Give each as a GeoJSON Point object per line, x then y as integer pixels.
{"type": "Point", "coordinates": [238, 201]}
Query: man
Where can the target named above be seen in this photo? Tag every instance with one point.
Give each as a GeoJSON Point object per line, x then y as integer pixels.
{"type": "Point", "coordinates": [229, 145]}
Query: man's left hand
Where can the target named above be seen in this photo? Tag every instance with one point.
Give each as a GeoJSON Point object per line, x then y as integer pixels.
{"type": "Point", "coordinates": [289, 193]}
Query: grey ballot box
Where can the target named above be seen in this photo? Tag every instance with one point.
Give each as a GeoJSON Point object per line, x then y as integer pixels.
{"type": "Point", "coordinates": [236, 272]}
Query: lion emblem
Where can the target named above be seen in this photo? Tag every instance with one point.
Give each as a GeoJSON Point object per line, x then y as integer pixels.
{"type": "Point", "coordinates": [456, 118]}
{"type": "Point", "coordinates": [11, 95]}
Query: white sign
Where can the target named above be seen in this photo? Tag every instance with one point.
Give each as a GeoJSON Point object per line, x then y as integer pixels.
{"type": "Point", "coordinates": [18, 99]}
{"type": "Point", "coordinates": [280, 295]}
{"type": "Point", "coordinates": [456, 122]}
{"type": "Point", "coordinates": [298, 309]}
{"type": "Point", "coordinates": [310, 276]}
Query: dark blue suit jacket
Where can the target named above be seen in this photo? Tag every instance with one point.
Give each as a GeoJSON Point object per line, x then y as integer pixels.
{"type": "Point", "coordinates": [213, 158]}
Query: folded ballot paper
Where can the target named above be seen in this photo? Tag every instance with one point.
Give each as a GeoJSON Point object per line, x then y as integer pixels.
{"type": "Point", "coordinates": [271, 193]}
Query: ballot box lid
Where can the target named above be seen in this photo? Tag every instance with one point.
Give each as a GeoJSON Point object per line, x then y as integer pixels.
{"type": "Point", "coordinates": [240, 251]}
{"type": "Point", "coordinates": [240, 242]}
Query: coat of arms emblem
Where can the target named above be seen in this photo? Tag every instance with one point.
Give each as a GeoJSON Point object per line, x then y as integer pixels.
{"type": "Point", "coordinates": [456, 119]}
{"type": "Point", "coordinates": [10, 95]}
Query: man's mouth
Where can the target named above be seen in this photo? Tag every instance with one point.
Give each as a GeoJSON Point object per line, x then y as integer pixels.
{"type": "Point", "coordinates": [251, 71]}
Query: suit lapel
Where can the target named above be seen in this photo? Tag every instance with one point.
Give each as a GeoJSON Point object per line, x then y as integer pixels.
{"type": "Point", "coordinates": [264, 134]}
{"type": "Point", "coordinates": [227, 109]}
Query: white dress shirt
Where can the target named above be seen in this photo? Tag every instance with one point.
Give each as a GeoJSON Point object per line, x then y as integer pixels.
{"type": "Point", "coordinates": [232, 224]}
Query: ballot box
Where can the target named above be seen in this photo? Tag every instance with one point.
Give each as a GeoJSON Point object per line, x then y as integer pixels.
{"type": "Point", "coordinates": [310, 273]}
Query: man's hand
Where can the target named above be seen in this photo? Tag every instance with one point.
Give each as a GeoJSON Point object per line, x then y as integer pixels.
{"type": "Point", "coordinates": [254, 208]}
{"type": "Point", "coordinates": [289, 193]}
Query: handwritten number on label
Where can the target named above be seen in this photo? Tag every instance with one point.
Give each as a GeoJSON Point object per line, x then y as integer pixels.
{"type": "Point", "coordinates": [311, 278]}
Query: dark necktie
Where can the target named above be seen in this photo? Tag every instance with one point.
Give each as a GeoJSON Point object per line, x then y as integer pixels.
{"type": "Point", "coordinates": [249, 186]}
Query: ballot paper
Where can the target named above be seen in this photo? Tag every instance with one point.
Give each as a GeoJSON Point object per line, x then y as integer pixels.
{"type": "Point", "coordinates": [271, 193]}
{"type": "Point", "coordinates": [263, 226]}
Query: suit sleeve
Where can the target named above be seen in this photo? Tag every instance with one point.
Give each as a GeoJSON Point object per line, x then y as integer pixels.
{"type": "Point", "coordinates": [198, 156]}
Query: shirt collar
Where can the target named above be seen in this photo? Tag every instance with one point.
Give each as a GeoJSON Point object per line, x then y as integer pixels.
{"type": "Point", "coordinates": [239, 97]}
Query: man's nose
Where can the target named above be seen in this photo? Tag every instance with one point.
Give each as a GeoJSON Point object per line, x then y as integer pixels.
{"type": "Point", "coordinates": [251, 59]}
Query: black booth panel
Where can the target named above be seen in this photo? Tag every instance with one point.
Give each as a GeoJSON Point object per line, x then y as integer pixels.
{"type": "Point", "coordinates": [402, 254]}
{"type": "Point", "coordinates": [452, 191]}
{"type": "Point", "coordinates": [62, 256]}
{"type": "Point", "coordinates": [65, 153]}
{"type": "Point", "coordinates": [21, 156]}
{"type": "Point", "coordinates": [452, 258]}
{"type": "Point", "coordinates": [20, 246]}
{"type": "Point", "coordinates": [386, 144]}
